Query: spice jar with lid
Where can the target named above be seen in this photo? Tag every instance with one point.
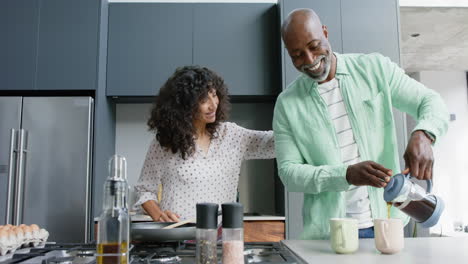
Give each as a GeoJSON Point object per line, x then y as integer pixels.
{"type": "Point", "coordinates": [233, 233]}
{"type": "Point", "coordinates": [207, 233]}
{"type": "Point", "coordinates": [415, 201]}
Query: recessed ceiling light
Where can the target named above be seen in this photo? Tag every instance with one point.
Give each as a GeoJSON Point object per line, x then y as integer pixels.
{"type": "Point", "coordinates": [414, 35]}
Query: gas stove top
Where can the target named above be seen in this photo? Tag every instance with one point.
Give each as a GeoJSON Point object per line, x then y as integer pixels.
{"type": "Point", "coordinates": [174, 252]}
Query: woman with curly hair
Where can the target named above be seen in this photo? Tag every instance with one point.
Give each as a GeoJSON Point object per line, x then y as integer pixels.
{"type": "Point", "coordinates": [196, 156]}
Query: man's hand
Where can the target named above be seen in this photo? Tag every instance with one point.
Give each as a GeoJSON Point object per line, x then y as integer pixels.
{"type": "Point", "coordinates": [368, 173]}
{"type": "Point", "coordinates": [418, 156]}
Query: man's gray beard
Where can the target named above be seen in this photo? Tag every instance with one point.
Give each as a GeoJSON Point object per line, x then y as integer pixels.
{"type": "Point", "coordinates": [322, 77]}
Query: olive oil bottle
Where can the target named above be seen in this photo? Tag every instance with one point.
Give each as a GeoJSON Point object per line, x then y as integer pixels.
{"type": "Point", "coordinates": [114, 223]}
{"type": "Point", "coordinates": [112, 253]}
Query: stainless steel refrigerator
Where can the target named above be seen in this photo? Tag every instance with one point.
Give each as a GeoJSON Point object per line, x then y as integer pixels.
{"type": "Point", "coordinates": [45, 164]}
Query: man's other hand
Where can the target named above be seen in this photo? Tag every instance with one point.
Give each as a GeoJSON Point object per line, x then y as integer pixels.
{"type": "Point", "coordinates": [368, 173]}
{"type": "Point", "coordinates": [418, 156]}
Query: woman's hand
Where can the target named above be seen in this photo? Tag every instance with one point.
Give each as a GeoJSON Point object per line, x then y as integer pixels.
{"type": "Point", "coordinates": [168, 216]}
{"type": "Point", "coordinates": [153, 209]}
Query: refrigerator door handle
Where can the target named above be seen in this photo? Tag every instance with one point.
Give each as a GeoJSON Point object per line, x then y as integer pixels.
{"type": "Point", "coordinates": [11, 173]}
{"type": "Point", "coordinates": [89, 169]}
{"type": "Point", "coordinates": [19, 185]}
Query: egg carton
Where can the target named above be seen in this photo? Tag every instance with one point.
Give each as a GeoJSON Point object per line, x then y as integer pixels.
{"type": "Point", "coordinates": [36, 238]}
{"type": "Point", "coordinates": [13, 241]}
{"type": "Point", "coordinates": [9, 244]}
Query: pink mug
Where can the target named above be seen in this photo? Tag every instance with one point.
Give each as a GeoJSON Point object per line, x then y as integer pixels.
{"type": "Point", "coordinates": [389, 238]}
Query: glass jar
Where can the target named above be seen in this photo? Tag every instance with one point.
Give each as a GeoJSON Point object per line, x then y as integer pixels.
{"type": "Point", "coordinates": [233, 233]}
{"type": "Point", "coordinates": [207, 233]}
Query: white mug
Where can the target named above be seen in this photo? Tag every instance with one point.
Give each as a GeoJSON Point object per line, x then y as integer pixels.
{"type": "Point", "coordinates": [389, 238]}
{"type": "Point", "coordinates": [344, 235]}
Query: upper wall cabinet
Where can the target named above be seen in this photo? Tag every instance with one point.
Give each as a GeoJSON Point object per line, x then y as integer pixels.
{"type": "Point", "coordinates": [371, 26]}
{"type": "Point", "coordinates": [146, 43]}
{"type": "Point", "coordinates": [18, 45]}
{"type": "Point", "coordinates": [49, 44]}
{"type": "Point", "coordinates": [240, 42]}
{"type": "Point", "coordinates": [68, 45]}
{"type": "Point", "coordinates": [329, 13]}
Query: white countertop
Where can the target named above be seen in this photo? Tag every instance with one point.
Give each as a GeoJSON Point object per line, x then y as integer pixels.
{"type": "Point", "coordinates": [424, 250]}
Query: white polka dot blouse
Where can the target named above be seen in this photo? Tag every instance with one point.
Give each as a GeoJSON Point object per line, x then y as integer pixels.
{"type": "Point", "coordinates": [203, 177]}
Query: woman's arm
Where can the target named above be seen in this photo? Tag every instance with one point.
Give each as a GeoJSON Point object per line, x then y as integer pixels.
{"type": "Point", "coordinates": [257, 144]}
{"type": "Point", "coordinates": [150, 176]}
{"type": "Point", "coordinates": [148, 183]}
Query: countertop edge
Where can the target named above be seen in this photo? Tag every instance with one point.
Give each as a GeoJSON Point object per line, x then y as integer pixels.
{"type": "Point", "coordinates": [145, 218]}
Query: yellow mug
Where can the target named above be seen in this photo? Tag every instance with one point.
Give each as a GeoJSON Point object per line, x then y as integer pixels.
{"type": "Point", "coordinates": [344, 235]}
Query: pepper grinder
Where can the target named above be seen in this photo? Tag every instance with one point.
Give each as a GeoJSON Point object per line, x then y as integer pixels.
{"type": "Point", "coordinates": [207, 233]}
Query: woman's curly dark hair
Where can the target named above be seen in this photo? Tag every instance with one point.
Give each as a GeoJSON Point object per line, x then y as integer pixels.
{"type": "Point", "coordinates": [177, 105]}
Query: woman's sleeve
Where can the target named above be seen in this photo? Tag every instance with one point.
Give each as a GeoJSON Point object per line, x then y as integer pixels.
{"type": "Point", "coordinates": [257, 144]}
{"type": "Point", "coordinates": [150, 177]}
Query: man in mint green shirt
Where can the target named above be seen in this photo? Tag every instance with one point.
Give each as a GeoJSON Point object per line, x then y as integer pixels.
{"type": "Point", "coordinates": [309, 146]}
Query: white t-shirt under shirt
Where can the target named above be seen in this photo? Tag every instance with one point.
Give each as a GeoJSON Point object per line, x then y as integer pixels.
{"type": "Point", "coordinates": [357, 197]}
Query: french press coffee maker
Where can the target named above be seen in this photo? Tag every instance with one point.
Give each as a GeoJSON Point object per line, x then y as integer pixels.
{"type": "Point", "coordinates": [415, 201]}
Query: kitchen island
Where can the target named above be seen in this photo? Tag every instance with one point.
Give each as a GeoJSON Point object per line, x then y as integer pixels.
{"type": "Point", "coordinates": [424, 250]}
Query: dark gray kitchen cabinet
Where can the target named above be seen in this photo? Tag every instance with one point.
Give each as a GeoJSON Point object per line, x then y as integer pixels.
{"type": "Point", "coordinates": [329, 13]}
{"type": "Point", "coordinates": [68, 45]}
{"type": "Point", "coordinates": [146, 43]}
{"type": "Point", "coordinates": [240, 42]}
{"type": "Point", "coordinates": [18, 45]}
{"type": "Point", "coordinates": [371, 26]}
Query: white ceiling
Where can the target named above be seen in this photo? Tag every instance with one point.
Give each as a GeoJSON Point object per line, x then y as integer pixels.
{"type": "Point", "coordinates": [433, 3]}
{"type": "Point", "coordinates": [442, 44]}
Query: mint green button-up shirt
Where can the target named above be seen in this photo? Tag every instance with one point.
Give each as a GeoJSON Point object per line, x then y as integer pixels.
{"type": "Point", "coordinates": [307, 148]}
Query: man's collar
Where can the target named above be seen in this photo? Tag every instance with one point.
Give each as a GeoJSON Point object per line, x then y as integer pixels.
{"type": "Point", "coordinates": [340, 70]}
{"type": "Point", "coordinates": [340, 65]}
